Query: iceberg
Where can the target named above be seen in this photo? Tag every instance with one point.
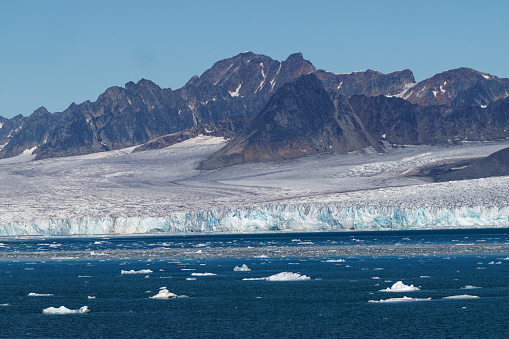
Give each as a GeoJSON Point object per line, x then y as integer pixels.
{"type": "Point", "coordinates": [242, 268]}
{"type": "Point", "coordinates": [163, 294]}
{"type": "Point", "coordinates": [400, 287]}
{"type": "Point", "coordinates": [463, 296]}
{"type": "Point", "coordinates": [396, 300]}
{"type": "Point", "coordinates": [135, 272]}
{"type": "Point", "coordinates": [283, 276]}
{"type": "Point", "coordinates": [64, 310]}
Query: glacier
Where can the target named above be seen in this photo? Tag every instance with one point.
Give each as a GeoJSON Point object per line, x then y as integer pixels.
{"type": "Point", "coordinates": [268, 218]}
{"type": "Point", "coordinates": [161, 191]}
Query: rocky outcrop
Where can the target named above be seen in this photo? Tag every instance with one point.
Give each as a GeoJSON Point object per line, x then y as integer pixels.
{"type": "Point", "coordinates": [227, 128]}
{"type": "Point", "coordinates": [457, 87]}
{"type": "Point", "coordinates": [300, 119]}
{"type": "Point", "coordinates": [399, 122]}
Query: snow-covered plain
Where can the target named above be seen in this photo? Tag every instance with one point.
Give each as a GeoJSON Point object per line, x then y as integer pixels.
{"type": "Point", "coordinates": [120, 192]}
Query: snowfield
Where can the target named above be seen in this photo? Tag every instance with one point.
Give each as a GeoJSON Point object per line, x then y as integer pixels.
{"type": "Point", "coordinates": [119, 192]}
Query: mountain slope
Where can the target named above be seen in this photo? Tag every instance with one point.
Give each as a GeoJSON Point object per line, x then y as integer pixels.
{"type": "Point", "coordinates": [458, 87]}
{"type": "Point", "coordinates": [300, 119]}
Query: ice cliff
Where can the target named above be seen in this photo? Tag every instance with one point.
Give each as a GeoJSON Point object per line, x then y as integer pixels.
{"type": "Point", "coordinates": [273, 217]}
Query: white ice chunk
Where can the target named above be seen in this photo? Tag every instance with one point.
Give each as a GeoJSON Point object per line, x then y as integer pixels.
{"type": "Point", "coordinates": [400, 287]}
{"type": "Point", "coordinates": [287, 276]}
{"type": "Point", "coordinates": [396, 300]}
{"type": "Point", "coordinates": [203, 274]}
{"type": "Point", "coordinates": [64, 310]}
{"type": "Point", "coordinates": [136, 272]}
{"type": "Point", "coordinates": [242, 268]}
{"type": "Point", "coordinates": [463, 296]}
{"type": "Point", "coordinates": [39, 294]}
{"type": "Point", "coordinates": [164, 294]}
{"type": "Point", "coordinates": [469, 287]}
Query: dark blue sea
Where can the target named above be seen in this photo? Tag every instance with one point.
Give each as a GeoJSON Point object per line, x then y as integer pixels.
{"type": "Point", "coordinates": [336, 296]}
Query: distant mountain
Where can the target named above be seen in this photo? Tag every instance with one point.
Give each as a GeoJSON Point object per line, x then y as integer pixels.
{"type": "Point", "coordinates": [457, 87]}
{"type": "Point", "coordinates": [242, 85]}
{"type": "Point", "coordinates": [300, 119]}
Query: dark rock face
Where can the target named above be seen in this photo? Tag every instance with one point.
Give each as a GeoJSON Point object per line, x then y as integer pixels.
{"type": "Point", "coordinates": [400, 122]}
{"type": "Point", "coordinates": [494, 165]}
{"type": "Point", "coordinates": [300, 119]}
{"type": "Point", "coordinates": [9, 128]}
{"type": "Point", "coordinates": [458, 87]}
{"type": "Point", "coordinates": [34, 131]}
{"type": "Point", "coordinates": [368, 83]}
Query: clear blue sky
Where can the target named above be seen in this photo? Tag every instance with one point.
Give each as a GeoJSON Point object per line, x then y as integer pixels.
{"type": "Point", "coordinates": [53, 53]}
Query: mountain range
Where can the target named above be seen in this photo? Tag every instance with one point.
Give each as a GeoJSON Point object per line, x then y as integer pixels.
{"type": "Point", "coordinates": [272, 110]}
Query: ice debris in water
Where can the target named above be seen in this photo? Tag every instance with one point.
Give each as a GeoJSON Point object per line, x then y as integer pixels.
{"type": "Point", "coordinates": [64, 310]}
{"type": "Point", "coordinates": [202, 274]}
{"type": "Point", "coordinates": [400, 287]}
{"type": "Point", "coordinates": [39, 294]}
{"type": "Point", "coordinates": [242, 268]}
{"type": "Point", "coordinates": [463, 296]}
{"type": "Point", "coordinates": [164, 294]}
{"type": "Point", "coordinates": [283, 276]}
{"type": "Point", "coordinates": [469, 287]}
{"type": "Point", "coordinates": [395, 300]}
{"type": "Point", "coordinates": [136, 272]}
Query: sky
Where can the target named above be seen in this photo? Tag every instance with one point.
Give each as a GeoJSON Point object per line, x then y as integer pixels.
{"type": "Point", "coordinates": [53, 52]}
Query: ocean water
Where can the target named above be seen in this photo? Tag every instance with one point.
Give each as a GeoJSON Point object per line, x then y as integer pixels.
{"type": "Point", "coordinates": [341, 298]}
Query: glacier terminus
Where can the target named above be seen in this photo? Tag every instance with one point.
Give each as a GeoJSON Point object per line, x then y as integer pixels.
{"type": "Point", "coordinates": [120, 192]}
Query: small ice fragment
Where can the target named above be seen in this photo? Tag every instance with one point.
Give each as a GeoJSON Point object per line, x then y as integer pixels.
{"type": "Point", "coordinates": [202, 274]}
{"type": "Point", "coordinates": [400, 287]}
{"type": "Point", "coordinates": [395, 300]}
{"type": "Point", "coordinates": [335, 260]}
{"type": "Point", "coordinates": [242, 268]}
{"type": "Point", "coordinates": [39, 294]}
{"type": "Point", "coordinates": [164, 294]}
{"type": "Point", "coordinates": [469, 287]}
{"type": "Point", "coordinates": [90, 297]}
{"type": "Point", "coordinates": [463, 296]}
{"type": "Point", "coordinates": [64, 310]}
{"type": "Point", "coordinates": [287, 276]}
{"type": "Point", "coordinates": [136, 272]}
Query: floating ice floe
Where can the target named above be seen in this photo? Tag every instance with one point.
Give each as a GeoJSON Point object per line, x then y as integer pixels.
{"type": "Point", "coordinates": [400, 287]}
{"type": "Point", "coordinates": [39, 294]}
{"type": "Point", "coordinates": [136, 272]}
{"type": "Point", "coordinates": [90, 297]}
{"type": "Point", "coordinates": [396, 300]}
{"type": "Point", "coordinates": [64, 310]}
{"type": "Point", "coordinates": [242, 268]}
{"type": "Point", "coordinates": [163, 294]}
{"type": "Point", "coordinates": [463, 296]}
{"type": "Point", "coordinates": [335, 260]}
{"type": "Point", "coordinates": [469, 287]}
{"type": "Point", "coordinates": [202, 274]}
{"type": "Point", "coordinates": [283, 276]}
